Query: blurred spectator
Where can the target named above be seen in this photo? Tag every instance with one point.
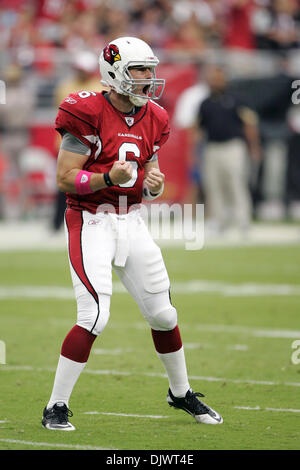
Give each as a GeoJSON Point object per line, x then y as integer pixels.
{"type": "Point", "coordinates": [271, 98]}
{"type": "Point", "coordinates": [227, 124]}
{"type": "Point", "coordinates": [188, 39]}
{"type": "Point", "coordinates": [20, 27]}
{"type": "Point", "coordinates": [292, 189]}
{"type": "Point", "coordinates": [237, 31]}
{"type": "Point", "coordinates": [185, 118]}
{"type": "Point", "coordinates": [196, 22]}
{"type": "Point", "coordinates": [85, 76]}
{"type": "Point", "coordinates": [3, 176]}
{"type": "Point", "coordinates": [178, 24]}
{"type": "Point", "coordinates": [184, 10]}
{"type": "Point", "coordinates": [82, 32]}
{"type": "Point", "coordinates": [16, 117]}
{"type": "Point", "coordinates": [15, 122]}
{"type": "Point", "coordinates": [277, 25]}
{"type": "Point", "coordinates": [117, 21]}
{"type": "Point", "coordinates": [188, 103]}
{"type": "Point", "coordinates": [151, 27]}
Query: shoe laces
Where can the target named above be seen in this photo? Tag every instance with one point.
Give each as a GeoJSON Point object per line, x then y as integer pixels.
{"type": "Point", "coordinates": [198, 406]}
{"type": "Point", "coordinates": [62, 413]}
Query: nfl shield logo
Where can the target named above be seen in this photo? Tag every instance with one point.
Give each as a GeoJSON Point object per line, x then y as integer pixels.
{"type": "Point", "coordinates": [129, 121]}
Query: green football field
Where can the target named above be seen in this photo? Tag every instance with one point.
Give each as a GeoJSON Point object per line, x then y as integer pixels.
{"type": "Point", "coordinates": [239, 318]}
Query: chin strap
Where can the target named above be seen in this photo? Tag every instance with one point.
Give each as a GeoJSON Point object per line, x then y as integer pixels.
{"type": "Point", "coordinates": [137, 101]}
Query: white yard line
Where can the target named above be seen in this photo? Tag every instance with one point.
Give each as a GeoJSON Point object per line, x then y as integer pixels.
{"type": "Point", "coordinates": [246, 408]}
{"type": "Point", "coordinates": [257, 332]}
{"type": "Point", "coordinates": [51, 444]}
{"type": "Point", "coordinates": [192, 377]}
{"type": "Point", "coordinates": [237, 347]}
{"type": "Point", "coordinates": [125, 415]}
{"type": "Point", "coordinates": [234, 290]}
{"type": "Point", "coordinates": [197, 286]}
{"type": "Point", "coordinates": [288, 410]}
{"type": "Point", "coordinates": [111, 352]}
{"type": "Point", "coordinates": [230, 347]}
{"type": "Point", "coordinates": [217, 328]}
{"type": "Point", "coordinates": [8, 368]}
{"type": "Point", "coordinates": [255, 408]}
{"type": "Point", "coordinates": [36, 292]}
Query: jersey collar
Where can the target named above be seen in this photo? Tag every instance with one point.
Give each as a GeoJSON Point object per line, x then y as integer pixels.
{"type": "Point", "coordinates": [131, 118]}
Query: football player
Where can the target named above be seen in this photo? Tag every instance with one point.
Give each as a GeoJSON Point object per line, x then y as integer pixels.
{"type": "Point", "coordinates": [106, 164]}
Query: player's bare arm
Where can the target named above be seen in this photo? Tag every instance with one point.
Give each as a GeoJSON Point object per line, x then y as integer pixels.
{"type": "Point", "coordinates": [154, 178]}
{"type": "Point", "coordinates": [69, 164]}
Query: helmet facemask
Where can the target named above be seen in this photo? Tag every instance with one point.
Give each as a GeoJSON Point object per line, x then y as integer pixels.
{"type": "Point", "coordinates": [141, 90]}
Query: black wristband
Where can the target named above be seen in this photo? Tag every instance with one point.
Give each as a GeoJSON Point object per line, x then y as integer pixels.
{"type": "Point", "coordinates": [107, 179]}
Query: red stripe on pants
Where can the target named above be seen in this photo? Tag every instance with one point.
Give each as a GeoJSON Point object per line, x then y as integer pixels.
{"type": "Point", "coordinates": [74, 223]}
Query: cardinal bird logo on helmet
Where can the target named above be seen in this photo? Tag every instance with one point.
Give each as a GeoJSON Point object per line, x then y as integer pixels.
{"type": "Point", "coordinates": [111, 54]}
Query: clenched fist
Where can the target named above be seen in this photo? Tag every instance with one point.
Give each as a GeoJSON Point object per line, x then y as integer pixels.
{"type": "Point", "coordinates": [154, 180]}
{"type": "Point", "coordinates": [121, 172]}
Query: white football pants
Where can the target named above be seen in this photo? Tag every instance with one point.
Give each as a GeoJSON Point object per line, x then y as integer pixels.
{"type": "Point", "coordinates": [99, 242]}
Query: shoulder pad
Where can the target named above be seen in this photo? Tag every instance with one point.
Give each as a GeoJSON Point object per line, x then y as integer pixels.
{"type": "Point", "coordinates": [84, 105]}
{"type": "Point", "coordinates": [78, 114]}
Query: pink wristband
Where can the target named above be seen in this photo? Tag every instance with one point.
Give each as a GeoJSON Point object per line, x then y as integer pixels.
{"type": "Point", "coordinates": [82, 182]}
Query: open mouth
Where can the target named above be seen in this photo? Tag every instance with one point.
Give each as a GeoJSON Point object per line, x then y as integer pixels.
{"type": "Point", "coordinates": [146, 90]}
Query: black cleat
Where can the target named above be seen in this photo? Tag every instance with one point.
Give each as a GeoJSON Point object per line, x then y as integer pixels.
{"type": "Point", "coordinates": [199, 410]}
{"type": "Point", "coordinates": [56, 418]}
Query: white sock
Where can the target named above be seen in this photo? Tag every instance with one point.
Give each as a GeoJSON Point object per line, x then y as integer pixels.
{"type": "Point", "coordinates": [175, 366]}
{"type": "Point", "coordinates": [67, 374]}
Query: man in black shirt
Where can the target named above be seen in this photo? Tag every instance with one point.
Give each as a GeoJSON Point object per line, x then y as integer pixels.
{"type": "Point", "coordinates": [229, 128]}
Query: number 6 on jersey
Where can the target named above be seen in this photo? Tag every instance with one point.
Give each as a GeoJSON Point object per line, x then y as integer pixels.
{"type": "Point", "coordinates": [124, 149]}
